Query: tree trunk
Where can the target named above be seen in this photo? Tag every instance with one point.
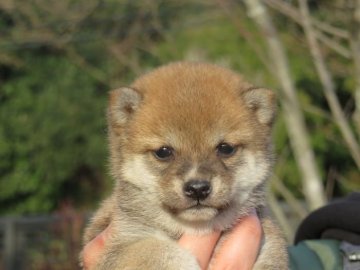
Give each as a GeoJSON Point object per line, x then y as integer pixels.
{"type": "Point", "coordinates": [312, 185]}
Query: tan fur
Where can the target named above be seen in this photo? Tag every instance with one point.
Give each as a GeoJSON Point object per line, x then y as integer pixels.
{"type": "Point", "coordinates": [192, 108]}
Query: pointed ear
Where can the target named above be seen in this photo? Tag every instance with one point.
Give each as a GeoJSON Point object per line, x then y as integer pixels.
{"type": "Point", "coordinates": [123, 103]}
{"type": "Point", "coordinates": [263, 102]}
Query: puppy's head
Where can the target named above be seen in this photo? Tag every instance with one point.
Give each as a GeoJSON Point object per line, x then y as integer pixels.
{"type": "Point", "coordinates": [194, 138]}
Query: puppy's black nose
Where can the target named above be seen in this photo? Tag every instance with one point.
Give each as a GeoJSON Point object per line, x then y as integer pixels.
{"type": "Point", "coordinates": [197, 189]}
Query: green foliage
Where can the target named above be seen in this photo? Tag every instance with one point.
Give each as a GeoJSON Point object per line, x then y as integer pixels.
{"type": "Point", "coordinates": [52, 125]}
{"type": "Point", "coordinates": [54, 85]}
{"type": "Point", "coordinates": [53, 95]}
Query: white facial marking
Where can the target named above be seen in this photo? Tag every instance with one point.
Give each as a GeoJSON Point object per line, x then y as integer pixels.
{"type": "Point", "coordinates": [135, 171]}
{"type": "Point", "coordinates": [250, 174]}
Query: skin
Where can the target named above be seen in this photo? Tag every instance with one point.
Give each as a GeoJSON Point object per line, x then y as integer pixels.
{"type": "Point", "coordinates": [238, 252]}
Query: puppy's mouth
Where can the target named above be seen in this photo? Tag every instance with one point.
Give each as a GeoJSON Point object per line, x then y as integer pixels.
{"type": "Point", "coordinates": [197, 212]}
{"type": "Point", "coordinates": [194, 207]}
{"type": "Point", "coordinates": [199, 205]}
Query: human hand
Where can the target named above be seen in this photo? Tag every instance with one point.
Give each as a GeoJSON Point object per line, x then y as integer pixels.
{"type": "Point", "coordinates": [238, 251]}
{"type": "Point", "coordinates": [92, 250]}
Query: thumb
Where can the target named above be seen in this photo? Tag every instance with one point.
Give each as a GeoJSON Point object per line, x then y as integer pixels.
{"type": "Point", "coordinates": [201, 246]}
{"type": "Point", "coordinates": [241, 246]}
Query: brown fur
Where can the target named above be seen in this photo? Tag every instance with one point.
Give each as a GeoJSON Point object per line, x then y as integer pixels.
{"type": "Point", "coordinates": [190, 107]}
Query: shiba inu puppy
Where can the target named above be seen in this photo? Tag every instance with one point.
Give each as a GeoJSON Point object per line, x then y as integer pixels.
{"type": "Point", "coordinates": [191, 152]}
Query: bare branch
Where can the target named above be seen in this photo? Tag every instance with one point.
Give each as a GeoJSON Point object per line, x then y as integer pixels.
{"type": "Point", "coordinates": [284, 8]}
{"type": "Point", "coordinates": [331, 43]}
{"type": "Point", "coordinates": [300, 211]}
{"type": "Point", "coordinates": [290, 11]}
{"type": "Point", "coordinates": [120, 53]}
{"type": "Point", "coordinates": [224, 4]}
{"type": "Point", "coordinates": [332, 30]}
{"type": "Point", "coordinates": [355, 50]}
{"type": "Point", "coordinates": [81, 61]}
{"type": "Point", "coordinates": [304, 155]}
{"type": "Point", "coordinates": [328, 84]}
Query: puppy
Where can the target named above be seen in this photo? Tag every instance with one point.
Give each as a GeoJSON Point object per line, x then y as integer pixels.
{"type": "Point", "coordinates": [191, 152]}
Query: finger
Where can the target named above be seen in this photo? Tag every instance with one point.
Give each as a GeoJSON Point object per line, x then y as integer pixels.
{"type": "Point", "coordinates": [93, 249]}
{"type": "Point", "coordinates": [201, 246]}
{"type": "Point", "coordinates": [240, 248]}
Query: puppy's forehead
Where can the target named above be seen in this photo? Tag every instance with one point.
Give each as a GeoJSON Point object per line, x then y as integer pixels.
{"type": "Point", "coordinates": [200, 102]}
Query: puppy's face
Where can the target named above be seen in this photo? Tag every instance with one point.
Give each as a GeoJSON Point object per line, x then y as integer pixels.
{"type": "Point", "coordinates": [194, 137]}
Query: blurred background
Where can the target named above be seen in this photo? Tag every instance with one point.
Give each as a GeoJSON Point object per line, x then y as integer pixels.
{"type": "Point", "coordinates": [59, 59]}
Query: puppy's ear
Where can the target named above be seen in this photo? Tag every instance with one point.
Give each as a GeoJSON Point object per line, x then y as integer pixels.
{"type": "Point", "coordinates": [123, 103]}
{"type": "Point", "coordinates": [263, 102]}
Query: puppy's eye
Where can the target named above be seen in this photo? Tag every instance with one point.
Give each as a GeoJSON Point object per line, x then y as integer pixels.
{"type": "Point", "coordinates": [225, 150]}
{"type": "Point", "coordinates": [164, 153]}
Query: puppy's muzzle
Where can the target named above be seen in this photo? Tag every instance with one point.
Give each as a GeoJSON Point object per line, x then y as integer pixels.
{"type": "Point", "coordinates": [197, 189]}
